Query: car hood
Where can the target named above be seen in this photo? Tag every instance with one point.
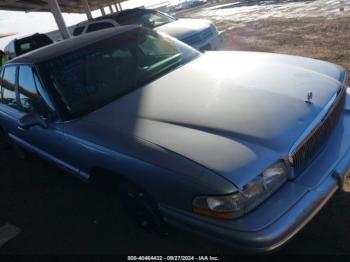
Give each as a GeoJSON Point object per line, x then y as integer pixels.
{"type": "Point", "coordinates": [183, 27]}
{"type": "Point", "coordinates": [234, 113]}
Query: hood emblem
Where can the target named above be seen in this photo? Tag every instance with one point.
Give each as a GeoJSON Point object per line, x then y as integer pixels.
{"type": "Point", "coordinates": [309, 97]}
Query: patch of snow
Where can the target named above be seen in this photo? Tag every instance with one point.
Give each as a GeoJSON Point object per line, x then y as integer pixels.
{"type": "Point", "coordinates": [242, 12]}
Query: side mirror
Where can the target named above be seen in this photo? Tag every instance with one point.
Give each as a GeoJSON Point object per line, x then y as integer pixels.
{"type": "Point", "coordinates": [31, 119]}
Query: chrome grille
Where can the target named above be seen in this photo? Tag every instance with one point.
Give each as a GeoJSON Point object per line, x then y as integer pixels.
{"type": "Point", "coordinates": [198, 37]}
{"type": "Point", "coordinates": [304, 154]}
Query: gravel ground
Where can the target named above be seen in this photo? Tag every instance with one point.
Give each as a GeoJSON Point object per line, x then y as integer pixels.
{"type": "Point", "coordinates": [58, 214]}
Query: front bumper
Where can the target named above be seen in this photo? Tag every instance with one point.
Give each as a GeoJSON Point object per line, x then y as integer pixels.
{"type": "Point", "coordinates": [288, 210]}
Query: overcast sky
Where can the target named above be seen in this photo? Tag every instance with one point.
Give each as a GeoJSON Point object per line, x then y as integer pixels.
{"type": "Point", "coordinates": [29, 23]}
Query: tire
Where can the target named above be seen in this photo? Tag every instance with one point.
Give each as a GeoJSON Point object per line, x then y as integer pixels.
{"type": "Point", "coordinates": [142, 208]}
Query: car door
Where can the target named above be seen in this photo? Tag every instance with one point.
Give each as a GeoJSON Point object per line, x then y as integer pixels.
{"type": "Point", "coordinates": [30, 99]}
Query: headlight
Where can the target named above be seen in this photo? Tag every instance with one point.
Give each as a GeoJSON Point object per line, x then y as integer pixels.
{"type": "Point", "coordinates": [239, 203]}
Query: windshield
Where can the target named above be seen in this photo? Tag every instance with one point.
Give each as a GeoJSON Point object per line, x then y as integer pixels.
{"type": "Point", "coordinates": [149, 19]}
{"type": "Point", "coordinates": [93, 76]}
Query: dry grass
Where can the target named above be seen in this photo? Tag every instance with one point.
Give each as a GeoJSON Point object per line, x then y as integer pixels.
{"type": "Point", "coordinates": [320, 38]}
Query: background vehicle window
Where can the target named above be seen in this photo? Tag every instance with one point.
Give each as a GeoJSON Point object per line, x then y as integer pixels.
{"type": "Point", "coordinates": [8, 87]}
{"type": "Point", "coordinates": [153, 20]}
{"type": "Point", "coordinates": [25, 47]}
{"type": "Point", "coordinates": [34, 42]}
{"type": "Point", "coordinates": [77, 31]}
{"type": "Point", "coordinates": [28, 96]}
{"type": "Point", "coordinates": [98, 26]}
{"type": "Point", "coordinates": [148, 19]}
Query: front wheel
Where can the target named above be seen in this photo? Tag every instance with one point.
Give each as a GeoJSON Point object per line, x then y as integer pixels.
{"type": "Point", "coordinates": [142, 208]}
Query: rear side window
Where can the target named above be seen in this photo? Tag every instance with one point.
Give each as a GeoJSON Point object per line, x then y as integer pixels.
{"type": "Point", "coordinates": [8, 87]}
{"type": "Point", "coordinates": [29, 98]}
{"type": "Point", "coordinates": [99, 26]}
{"type": "Point", "coordinates": [77, 31]}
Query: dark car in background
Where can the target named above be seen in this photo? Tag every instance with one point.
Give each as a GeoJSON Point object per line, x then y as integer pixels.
{"type": "Point", "coordinates": [198, 33]}
{"type": "Point", "coordinates": [20, 46]}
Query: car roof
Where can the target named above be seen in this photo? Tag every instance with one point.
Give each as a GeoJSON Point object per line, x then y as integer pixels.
{"type": "Point", "coordinates": [69, 45]}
